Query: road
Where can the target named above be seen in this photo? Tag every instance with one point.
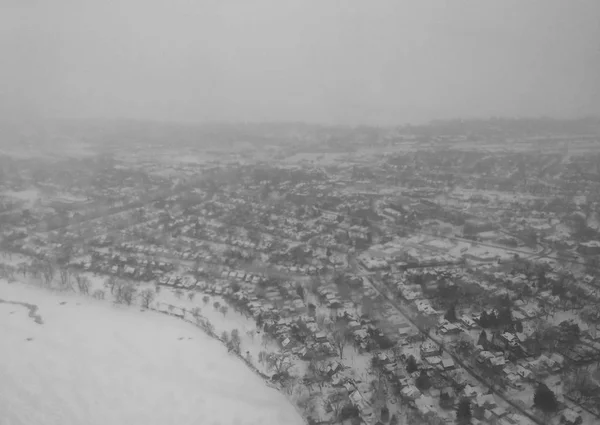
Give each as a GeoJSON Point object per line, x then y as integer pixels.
{"type": "Point", "coordinates": [476, 377]}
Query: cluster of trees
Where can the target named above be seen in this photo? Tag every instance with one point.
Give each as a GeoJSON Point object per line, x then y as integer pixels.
{"type": "Point", "coordinates": [501, 317]}
{"type": "Point", "coordinates": [232, 341]}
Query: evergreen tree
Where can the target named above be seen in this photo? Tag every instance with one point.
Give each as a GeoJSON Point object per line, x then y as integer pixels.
{"type": "Point", "coordinates": [484, 319]}
{"type": "Point", "coordinates": [411, 364]}
{"type": "Point", "coordinates": [423, 382]}
{"type": "Point", "coordinates": [545, 399]}
{"type": "Point", "coordinates": [463, 412]}
{"type": "Point", "coordinates": [542, 280]}
{"type": "Point", "coordinates": [519, 326]}
{"type": "Point", "coordinates": [482, 339]}
{"type": "Point", "coordinates": [451, 314]}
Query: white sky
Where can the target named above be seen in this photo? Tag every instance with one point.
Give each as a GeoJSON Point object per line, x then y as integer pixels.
{"type": "Point", "coordinates": [342, 61]}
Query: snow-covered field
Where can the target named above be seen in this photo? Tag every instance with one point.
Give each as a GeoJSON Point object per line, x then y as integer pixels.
{"type": "Point", "coordinates": [91, 363]}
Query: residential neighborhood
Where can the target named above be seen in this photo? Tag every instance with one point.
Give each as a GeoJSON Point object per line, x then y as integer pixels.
{"type": "Point", "coordinates": [427, 274]}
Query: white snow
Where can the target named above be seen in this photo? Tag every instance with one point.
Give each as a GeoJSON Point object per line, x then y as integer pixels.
{"type": "Point", "coordinates": [90, 363]}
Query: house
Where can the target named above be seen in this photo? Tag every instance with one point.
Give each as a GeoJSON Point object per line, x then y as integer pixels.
{"type": "Point", "coordinates": [321, 337]}
{"type": "Point", "coordinates": [483, 403]}
{"type": "Point", "coordinates": [448, 364]}
{"type": "Point", "coordinates": [524, 373]}
{"type": "Point", "coordinates": [570, 417]}
{"type": "Point", "coordinates": [410, 392]}
{"type": "Point", "coordinates": [468, 322]}
{"type": "Point", "coordinates": [450, 329]}
{"type": "Point", "coordinates": [447, 397]}
{"type": "Point", "coordinates": [428, 349]}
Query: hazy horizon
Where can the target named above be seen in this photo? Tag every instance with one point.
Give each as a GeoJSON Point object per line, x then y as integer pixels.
{"type": "Point", "coordinates": [340, 62]}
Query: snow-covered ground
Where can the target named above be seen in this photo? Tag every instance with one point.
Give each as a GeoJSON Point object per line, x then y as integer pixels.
{"type": "Point", "coordinates": [89, 362]}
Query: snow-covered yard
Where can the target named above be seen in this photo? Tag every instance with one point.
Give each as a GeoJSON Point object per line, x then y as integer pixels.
{"type": "Point", "coordinates": [93, 363]}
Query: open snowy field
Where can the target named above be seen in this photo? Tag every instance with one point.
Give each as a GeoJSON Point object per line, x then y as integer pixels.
{"type": "Point", "coordinates": [91, 363]}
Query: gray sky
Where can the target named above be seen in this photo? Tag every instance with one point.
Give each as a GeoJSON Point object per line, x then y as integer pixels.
{"type": "Point", "coordinates": [341, 61]}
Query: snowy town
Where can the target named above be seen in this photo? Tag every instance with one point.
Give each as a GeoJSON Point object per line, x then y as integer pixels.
{"type": "Point", "coordinates": [437, 274]}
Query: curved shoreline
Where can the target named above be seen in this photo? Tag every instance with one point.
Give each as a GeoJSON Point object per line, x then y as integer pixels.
{"type": "Point", "coordinates": [240, 357]}
{"type": "Point", "coordinates": [31, 307]}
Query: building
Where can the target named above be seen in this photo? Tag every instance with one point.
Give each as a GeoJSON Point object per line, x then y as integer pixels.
{"type": "Point", "coordinates": [589, 248]}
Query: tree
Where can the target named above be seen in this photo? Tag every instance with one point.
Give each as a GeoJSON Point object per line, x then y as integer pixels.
{"type": "Point", "coordinates": [385, 414]}
{"type": "Point", "coordinates": [341, 336]}
{"type": "Point", "coordinates": [483, 341]}
{"type": "Point", "coordinates": [191, 295]}
{"type": "Point", "coordinates": [411, 364]}
{"type": "Point", "coordinates": [317, 372]}
{"type": "Point", "coordinates": [23, 268]}
{"type": "Point", "coordinates": [519, 326]}
{"type": "Point", "coordinates": [83, 284]}
{"type": "Point", "coordinates": [98, 294]}
{"type": "Point", "coordinates": [111, 283]}
{"type": "Point", "coordinates": [225, 336]}
{"type": "Point", "coordinates": [196, 313]}
{"type": "Point", "coordinates": [224, 309]}
{"type": "Point", "coordinates": [349, 411]}
{"type": "Point", "coordinates": [394, 420]}
{"type": "Point", "coordinates": [65, 278]}
{"type": "Point", "coordinates": [463, 412]}
{"type": "Point", "coordinates": [451, 314]}
{"type": "Point", "coordinates": [48, 272]}
{"type": "Point", "coordinates": [423, 382]}
{"type": "Point", "coordinates": [545, 399]}
{"type": "Point", "coordinates": [124, 293]}
{"type": "Point", "coordinates": [235, 341]}
{"type": "Point", "coordinates": [209, 327]}
{"type": "Point", "coordinates": [178, 293]}
{"type": "Point", "coordinates": [216, 305]}
{"type": "Point", "coordinates": [206, 299]}
{"type": "Point", "coordinates": [279, 362]}
{"type": "Point", "coordinates": [147, 296]}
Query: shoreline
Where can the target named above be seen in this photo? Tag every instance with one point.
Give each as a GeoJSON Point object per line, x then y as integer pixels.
{"type": "Point", "coordinates": [33, 309]}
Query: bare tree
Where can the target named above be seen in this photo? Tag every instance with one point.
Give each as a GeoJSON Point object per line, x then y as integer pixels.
{"type": "Point", "coordinates": [337, 401]}
{"type": "Point", "coordinates": [265, 339]}
{"type": "Point", "coordinates": [317, 372]}
{"type": "Point", "coordinates": [125, 293]}
{"type": "Point", "coordinates": [146, 297]}
{"type": "Point", "coordinates": [111, 282]}
{"type": "Point", "coordinates": [178, 293]}
{"type": "Point", "coordinates": [23, 268]}
{"type": "Point", "coordinates": [279, 362]}
{"type": "Point", "coordinates": [209, 327]}
{"type": "Point", "coordinates": [65, 278]}
{"type": "Point", "coordinates": [251, 333]}
{"type": "Point", "coordinates": [235, 341]}
{"type": "Point", "coordinates": [98, 294]}
{"type": "Point", "coordinates": [206, 299]}
{"type": "Point", "coordinates": [224, 336]}
{"type": "Point", "coordinates": [191, 295]}
{"type": "Point", "coordinates": [341, 336]}
{"type": "Point", "coordinates": [48, 272]}
{"type": "Point", "coordinates": [196, 313]}
{"type": "Point", "coordinates": [83, 284]}
{"type": "Point", "coordinates": [224, 309]}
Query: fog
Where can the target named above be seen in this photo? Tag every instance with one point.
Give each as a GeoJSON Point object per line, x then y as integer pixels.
{"type": "Point", "coordinates": [336, 61]}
